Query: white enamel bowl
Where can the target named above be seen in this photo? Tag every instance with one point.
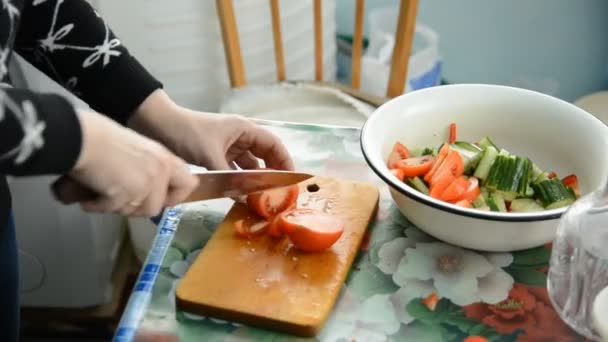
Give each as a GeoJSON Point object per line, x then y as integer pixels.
{"type": "Point", "coordinates": [556, 135]}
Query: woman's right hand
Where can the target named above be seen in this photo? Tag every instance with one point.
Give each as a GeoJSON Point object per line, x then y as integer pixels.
{"type": "Point", "coordinates": [129, 173]}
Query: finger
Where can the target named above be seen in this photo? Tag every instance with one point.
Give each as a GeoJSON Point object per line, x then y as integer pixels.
{"type": "Point", "coordinates": [153, 204]}
{"type": "Point", "coordinates": [181, 184]}
{"type": "Point", "coordinates": [268, 147]}
{"type": "Point", "coordinates": [68, 191]}
{"type": "Point", "coordinates": [104, 204]}
{"type": "Point", "coordinates": [247, 161]}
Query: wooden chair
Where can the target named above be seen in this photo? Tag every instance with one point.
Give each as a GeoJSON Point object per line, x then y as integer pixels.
{"type": "Point", "coordinates": [401, 52]}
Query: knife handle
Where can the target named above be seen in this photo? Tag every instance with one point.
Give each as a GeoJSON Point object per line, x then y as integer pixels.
{"type": "Point", "coordinates": [68, 191]}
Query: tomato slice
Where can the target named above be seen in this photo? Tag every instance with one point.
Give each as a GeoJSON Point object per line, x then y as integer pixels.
{"type": "Point", "coordinates": [464, 203]}
{"type": "Point", "coordinates": [443, 152]}
{"type": "Point", "coordinates": [456, 190]}
{"type": "Point", "coordinates": [552, 175]}
{"type": "Point", "coordinates": [416, 166]}
{"type": "Point", "coordinates": [431, 301]}
{"type": "Point", "coordinates": [272, 202]}
{"type": "Point", "coordinates": [311, 230]}
{"type": "Point", "coordinates": [398, 173]}
{"type": "Point", "coordinates": [250, 227]}
{"type": "Point", "coordinates": [452, 164]}
{"type": "Point", "coordinates": [452, 138]}
{"type": "Point", "coordinates": [473, 190]}
{"type": "Point", "coordinates": [398, 153]}
{"type": "Point", "coordinates": [571, 181]}
{"type": "Point", "coordinates": [442, 183]}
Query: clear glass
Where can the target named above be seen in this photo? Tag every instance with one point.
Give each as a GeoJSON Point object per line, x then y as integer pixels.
{"type": "Point", "coordinates": [579, 261]}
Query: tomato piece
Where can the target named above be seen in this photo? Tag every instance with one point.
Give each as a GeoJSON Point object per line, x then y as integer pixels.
{"type": "Point", "coordinates": [443, 152]}
{"type": "Point", "coordinates": [431, 301]}
{"type": "Point", "coordinates": [250, 227]}
{"type": "Point", "coordinates": [473, 190]}
{"type": "Point", "coordinates": [311, 230]}
{"type": "Point", "coordinates": [456, 190]}
{"type": "Point", "coordinates": [437, 188]}
{"type": "Point", "coordinates": [552, 175]}
{"type": "Point", "coordinates": [416, 166]}
{"type": "Point", "coordinates": [452, 138]}
{"type": "Point", "coordinates": [571, 181]}
{"type": "Point", "coordinates": [398, 153]}
{"type": "Point", "coordinates": [398, 173]}
{"type": "Point", "coordinates": [452, 163]}
{"type": "Point", "coordinates": [475, 338]}
{"type": "Point", "coordinates": [272, 202]}
{"type": "Point", "coordinates": [464, 203]}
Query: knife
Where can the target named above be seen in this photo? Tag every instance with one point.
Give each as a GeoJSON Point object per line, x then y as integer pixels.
{"type": "Point", "coordinates": [232, 183]}
{"type": "Point", "coordinates": [212, 184]}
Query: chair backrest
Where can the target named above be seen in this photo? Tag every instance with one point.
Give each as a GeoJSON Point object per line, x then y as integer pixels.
{"type": "Point", "coordinates": [404, 36]}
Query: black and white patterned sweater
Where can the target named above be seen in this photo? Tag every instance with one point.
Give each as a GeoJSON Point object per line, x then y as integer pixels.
{"type": "Point", "coordinates": [69, 42]}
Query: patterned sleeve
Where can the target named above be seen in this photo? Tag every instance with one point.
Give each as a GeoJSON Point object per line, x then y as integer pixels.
{"type": "Point", "coordinates": [68, 41]}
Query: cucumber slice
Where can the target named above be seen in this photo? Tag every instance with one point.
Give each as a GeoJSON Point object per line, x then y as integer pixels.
{"type": "Point", "coordinates": [470, 158]}
{"type": "Point", "coordinates": [468, 146]}
{"type": "Point", "coordinates": [480, 201]}
{"type": "Point", "coordinates": [523, 205]}
{"type": "Point", "coordinates": [508, 196]}
{"type": "Point", "coordinates": [496, 202]}
{"type": "Point", "coordinates": [542, 177]}
{"type": "Point", "coordinates": [487, 142]}
{"type": "Point", "coordinates": [552, 193]}
{"type": "Point", "coordinates": [509, 174]}
{"type": "Point", "coordinates": [536, 171]}
{"type": "Point", "coordinates": [488, 158]}
{"type": "Point", "coordinates": [417, 152]}
{"type": "Point", "coordinates": [418, 184]}
{"type": "Point", "coordinates": [427, 152]}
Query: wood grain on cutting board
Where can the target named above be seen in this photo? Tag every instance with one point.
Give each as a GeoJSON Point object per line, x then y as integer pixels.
{"type": "Point", "coordinates": [268, 283]}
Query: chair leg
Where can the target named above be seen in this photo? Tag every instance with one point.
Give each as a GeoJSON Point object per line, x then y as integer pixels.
{"type": "Point", "coordinates": [357, 45]}
{"type": "Point", "coordinates": [318, 21]}
{"type": "Point", "coordinates": [404, 37]}
{"type": "Point", "coordinates": [230, 35]}
{"type": "Point", "coordinates": [278, 41]}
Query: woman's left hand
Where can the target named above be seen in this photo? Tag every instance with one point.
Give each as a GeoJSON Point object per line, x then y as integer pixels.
{"type": "Point", "coordinates": [215, 141]}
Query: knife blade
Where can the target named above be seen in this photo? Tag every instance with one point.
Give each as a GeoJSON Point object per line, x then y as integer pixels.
{"type": "Point", "coordinates": [231, 183]}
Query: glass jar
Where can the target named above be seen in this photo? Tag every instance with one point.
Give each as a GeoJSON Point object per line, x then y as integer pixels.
{"type": "Point", "coordinates": [578, 270]}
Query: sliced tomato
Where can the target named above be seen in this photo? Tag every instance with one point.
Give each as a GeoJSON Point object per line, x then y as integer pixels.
{"type": "Point", "coordinates": [272, 202]}
{"type": "Point", "coordinates": [442, 183]}
{"type": "Point", "coordinates": [571, 181]}
{"type": "Point", "coordinates": [431, 301]}
{"type": "Point", "coordinates": [274, 227]}
{"type": "Point", "coordinates": [473, 190]}
{"type": "Point", "coordinates": [464, 203]}
{"type": "Point", "coordinates": [552, 175]}
{"type": "Point", "coordinates": [475, 338]}
{"type": "Point", "coordinates": [416, 166]}
{"type": "Point", "coordinates": [250, 227]}
{"type": "Point", "coordinates": [452, 133]}
{"type": "Point", "coordinates": [443, 152]}
{"type": "Point", "coordinates": [398, 173]}
{"type": "Point", "coordinates": [398, 153]}
{"type": "Point", "coordinates": [508, 206]}
{"type": "Point", "coordinates": [456, 190]}
{"type": "Point", "coordinates": [311, 230]}
{"type": "Point", "coordinates": [452, 164]}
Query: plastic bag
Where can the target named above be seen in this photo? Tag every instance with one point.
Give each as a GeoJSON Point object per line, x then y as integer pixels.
{"type": "Point", "coordinates": [424, 68]}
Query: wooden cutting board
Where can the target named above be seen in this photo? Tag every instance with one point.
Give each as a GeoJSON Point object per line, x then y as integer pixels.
{"type": "Point", "coordinates": [268, 283]}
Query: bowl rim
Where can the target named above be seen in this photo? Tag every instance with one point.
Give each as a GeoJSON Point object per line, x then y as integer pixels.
{"type": "Point", "coordinates": [402, 188]}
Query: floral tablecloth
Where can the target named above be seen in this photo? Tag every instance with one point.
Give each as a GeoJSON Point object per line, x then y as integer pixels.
{"type": "Point", "coordinates": [404, 285]}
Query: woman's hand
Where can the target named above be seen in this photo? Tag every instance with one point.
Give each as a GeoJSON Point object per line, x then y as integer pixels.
{"type": "Point", "coordinates": [130, 174]}
{"type": "Point", "coordinates": [215, 141]}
